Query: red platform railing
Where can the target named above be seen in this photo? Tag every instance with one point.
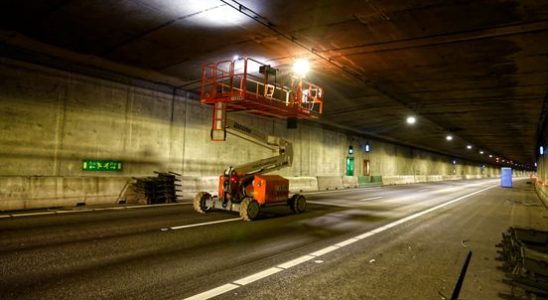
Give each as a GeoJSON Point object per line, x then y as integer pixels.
{"type": "Point", "coordinates": [249, 85]}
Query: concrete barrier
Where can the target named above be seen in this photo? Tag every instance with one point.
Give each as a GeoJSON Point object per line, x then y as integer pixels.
{"type": "Point", "coordinates": [369, 181]}
{"type": "Point", "coordinates": [30, 192]}
{"type": "Point", "coordinates": [401, 179]}
{"type": "Point", "coordinates": [452, 177]}
{"type": "Point", "coordinates": [421, 178]}
{"type": "Point", "coordinates": [350, 182]}
{"type": "Point", "coordinates": [302, 184]}
{"type": "Point", "coordinates": [434, 178]}
{"type": "Point", "coordinates": [330, 182]}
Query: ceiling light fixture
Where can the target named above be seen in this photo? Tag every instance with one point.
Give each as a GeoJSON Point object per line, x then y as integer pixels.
{"type": "Point", "coordinates": [411, 120]}
{"type": "Point", "coordinates": [301, 67]}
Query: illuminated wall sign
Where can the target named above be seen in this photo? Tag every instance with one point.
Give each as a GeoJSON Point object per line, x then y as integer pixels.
{"type": "Point", "coordinates": [101, 165]}
{"type": "Point", "coordinates": [350, 166]}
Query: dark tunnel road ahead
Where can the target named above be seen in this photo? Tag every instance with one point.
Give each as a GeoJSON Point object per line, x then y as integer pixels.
{"type": "Point", "coordinates": [164, 253]}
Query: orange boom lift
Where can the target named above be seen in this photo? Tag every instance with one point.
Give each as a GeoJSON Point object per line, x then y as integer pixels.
{"type": "Point", "coordinates": [251, 86]}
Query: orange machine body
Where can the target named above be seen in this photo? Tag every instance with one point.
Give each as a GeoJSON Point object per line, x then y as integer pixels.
{"type": "Point", "coordinates": [265, 189]}
{"type": "Point", "coordinates": [269, 189]}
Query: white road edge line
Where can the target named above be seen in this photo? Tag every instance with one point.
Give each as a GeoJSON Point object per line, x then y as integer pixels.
{"type": "Point", "coordinates": [214, 292]}
{"type": "Point", "coordinates": [326, 203]}
{"type": "Point", "coordinates": [341, 190]}
{"type": "Point", "coordinates": [89, 210]}
{"type": "Point", "coordinates": [34, 214]}
{"type": "Point", "coordinates": [202, 224]}
{"type": "Point", "coordinates": [297, 261]}
{"type": "Point", "coordinates": [257, 276]}
{"type": "Point", "coordinates": [372, 198]}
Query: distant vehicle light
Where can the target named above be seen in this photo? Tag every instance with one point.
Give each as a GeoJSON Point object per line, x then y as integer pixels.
{"type": "Point", "coordinates": [491, 155]}
{"type": "Point", "coordinates": [469, 147]}
{"type": "Point", "coordinates": [449, 138]}
{"type": "Point", "coordinates": [411, 120]}
{"type": "Point", "coordinates": [481, 152]}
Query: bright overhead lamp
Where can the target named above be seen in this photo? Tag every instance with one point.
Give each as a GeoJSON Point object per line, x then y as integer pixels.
{"type": "Point", "coordinates": [449, 137]}
{"type": "Point", "coordinates": [301, 67]}
{"type": "Point", "coordinates": [411, 120]}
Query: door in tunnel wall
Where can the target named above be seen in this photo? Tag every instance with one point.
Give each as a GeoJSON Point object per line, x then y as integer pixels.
{"type": "Point", "coordinates": [366, 168]}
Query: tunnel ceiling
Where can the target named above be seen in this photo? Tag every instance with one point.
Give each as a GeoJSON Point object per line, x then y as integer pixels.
{"type": "Point", "coordinates": [475, 69]}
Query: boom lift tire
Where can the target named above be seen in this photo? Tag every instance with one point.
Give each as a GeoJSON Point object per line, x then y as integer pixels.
{"type": "Point", "coordinates": [199, 202]}
{"type": "Point", "coordinates": [249, 209]}
{"type": "Point", "coordinates": [297, 203]}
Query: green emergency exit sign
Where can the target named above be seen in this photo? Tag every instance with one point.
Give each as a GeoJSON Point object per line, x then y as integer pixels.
{"type": "Point", "coordinates": [101, 165]}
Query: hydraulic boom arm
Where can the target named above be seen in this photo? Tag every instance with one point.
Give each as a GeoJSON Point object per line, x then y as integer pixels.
{"type": "Point", "coordinates": [282, 160]}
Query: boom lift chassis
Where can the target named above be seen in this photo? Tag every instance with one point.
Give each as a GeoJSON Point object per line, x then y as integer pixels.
{"type": "Point", "coordinates": [245, 188]}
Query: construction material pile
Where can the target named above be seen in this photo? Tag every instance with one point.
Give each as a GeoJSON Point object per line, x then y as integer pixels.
{"type": "Point", "coordinates": [160, 189]}
{"type": "Point", "coordinates": [525, 256]}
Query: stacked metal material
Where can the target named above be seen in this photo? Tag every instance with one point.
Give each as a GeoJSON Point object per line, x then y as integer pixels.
{"type": "Point", "coordinates": [161, 189]}
{"type": "Point", "coordinates": [525, 256]}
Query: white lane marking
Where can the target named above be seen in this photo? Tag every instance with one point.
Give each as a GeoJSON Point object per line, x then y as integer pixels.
{"type": "Point", "coordinates": [346, 242]}
{"type": "Point", "coordinates": [257, 276]}
{"type": "Point", "coordinates": [372, 198]}
{"type": "Point", "coordinates": [230, 286]}
{"type": "Point", "coordinates": [157, 205]}
{"type": "Point", "coordinates": [330, 204]}
{"type": "Point", "coordinates": [203, 224]}
{"type": "Point", "coordinates": [34, 214]}
{"type": "Point", "coordinates": [64, 211]}
{"type": "Point", "coordinates": [90, 210]}
{"type": "Point", "coordinates": [214, 292]}
{"type": "Point", "coordinates": [324, 250]}
{"type": "Point", "coordinates": [341, 190]}
{"type": "Point", "coordinates": [296, 261]}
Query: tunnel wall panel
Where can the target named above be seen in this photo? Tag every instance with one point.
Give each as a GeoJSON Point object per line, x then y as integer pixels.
{"type": "Point", "coordinates": [51, 120]}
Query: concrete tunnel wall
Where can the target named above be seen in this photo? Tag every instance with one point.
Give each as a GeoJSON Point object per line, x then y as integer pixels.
{"type": "Point", "coordinates": [51, 120]}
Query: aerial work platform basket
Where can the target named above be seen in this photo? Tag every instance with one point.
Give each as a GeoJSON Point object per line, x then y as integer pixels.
{"type": "Point", "coordinates": [248, 85]}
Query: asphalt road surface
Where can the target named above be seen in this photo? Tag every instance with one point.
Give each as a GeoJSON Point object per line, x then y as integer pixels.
{"type": "Point", "coordinates": [399, 242]}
